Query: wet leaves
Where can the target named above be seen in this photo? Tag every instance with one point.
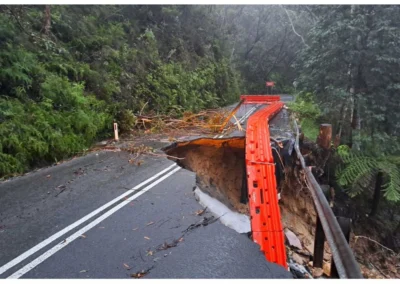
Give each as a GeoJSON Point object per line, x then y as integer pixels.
{"type": "Point", "coordinates": [141, 273]}
{"type": "Point", "coordinates": [167, 245]}
{"type": "Point", "coordinates": [200, 212]}
{"type": "Point", "coordinates": [147, 238]}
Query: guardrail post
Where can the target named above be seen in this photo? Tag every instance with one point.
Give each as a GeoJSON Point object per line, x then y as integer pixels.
{"type": "Point", "coordinates": [345, 225]}
{"type": "Point", "coordinates": [319, 243]}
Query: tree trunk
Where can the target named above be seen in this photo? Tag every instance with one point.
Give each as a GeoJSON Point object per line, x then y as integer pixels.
{"type": "Point", "coordinates": [377, 193]}
{"type": "Point", "coordinates": [47, 20]}
{"type": "Point", "coordinates": [325, 136]}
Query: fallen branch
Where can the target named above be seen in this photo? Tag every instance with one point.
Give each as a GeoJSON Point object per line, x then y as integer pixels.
{"type": "Point", "coordinates": [363, 237]}
{"type": "Point", "coordinates": [164, 155]}
{"type": "Point", "coordinates": [379, 270]}
{"type": "Point", "coordinates": [291, 23]}
{"type": "Point", "coordinates": [238, 123]}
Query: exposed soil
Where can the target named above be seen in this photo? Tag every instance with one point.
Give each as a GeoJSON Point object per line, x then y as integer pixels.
{"type": "Point", "coordinates": [219, 165]}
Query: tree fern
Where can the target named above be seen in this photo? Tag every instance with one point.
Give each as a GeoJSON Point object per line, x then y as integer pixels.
{"type": "Point", "coordinates": [358, 172]}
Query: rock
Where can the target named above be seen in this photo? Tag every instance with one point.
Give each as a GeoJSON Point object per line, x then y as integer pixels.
{"type": "Point", "coordinates": [292, 239]}
{"type": "Point", "coordinates": [299, 271]}
{"type": "Point", "coordinates": [327, 268]}
{"type": "Point", "coordinates": [317, 272]}
{"type": "Point", "coordinates": [298, 258]}
{"type": "Point", "coordinates": [102, 143]}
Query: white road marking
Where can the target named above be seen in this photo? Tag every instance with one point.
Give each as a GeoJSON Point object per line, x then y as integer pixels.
{"type": "Point", "coordinates": [245, 116]}
{"type": "Point", "coordinates": [76, 235]}
{"type": "Point", "coordinates": [52, 238]}
{"type": "Point", "coordinates": [249, 113]}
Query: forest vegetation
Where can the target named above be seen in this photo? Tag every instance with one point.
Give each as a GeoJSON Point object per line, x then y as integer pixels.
{"type": "Point", "coordinates": [68, 72]}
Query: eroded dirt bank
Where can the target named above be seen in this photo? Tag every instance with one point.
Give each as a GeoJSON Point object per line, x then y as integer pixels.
{"type": "Point", "coordinates": [219, 165]}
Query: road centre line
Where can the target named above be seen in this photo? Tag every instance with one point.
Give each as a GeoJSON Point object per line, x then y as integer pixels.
{"type": "Point", "coordinates": [79, 233]}
{"type": "Point", "coordinates": [52, 238]}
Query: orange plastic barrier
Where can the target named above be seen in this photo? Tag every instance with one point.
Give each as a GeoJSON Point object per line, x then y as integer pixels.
{"type": "Point", "coordinates": [251, 99]}
{"type": "Point", "coordinates": [263, 196]}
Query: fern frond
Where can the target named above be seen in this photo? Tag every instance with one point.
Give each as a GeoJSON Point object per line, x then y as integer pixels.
{"type": "Point", "coordinates": [391, 187]}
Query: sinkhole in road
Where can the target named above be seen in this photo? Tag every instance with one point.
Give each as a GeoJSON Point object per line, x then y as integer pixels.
{"type": "Point", "coordinates": [219, 165]}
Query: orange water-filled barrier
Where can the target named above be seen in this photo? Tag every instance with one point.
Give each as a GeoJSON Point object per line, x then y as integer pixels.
{"type": "Point", "coordinates": [262, 188]}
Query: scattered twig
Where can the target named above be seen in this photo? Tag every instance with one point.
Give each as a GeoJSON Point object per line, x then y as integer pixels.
{"type": "Point", "coordinates": [201, 212]}
{"type": "Point", "coordinates": [379, 270]}
{"type": "Point", "coordinates": [140, 113]}
{"type": "Point", "coordinates": [363, 237]}
{"type": "Point", "coordinates": [63, 187]}
{"type": "Point", "coordinates": [165, 155]}
{"type": "Point", "coordinates": [237, 123]}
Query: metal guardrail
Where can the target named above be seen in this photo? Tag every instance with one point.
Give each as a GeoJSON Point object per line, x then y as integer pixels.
{"type": "Point", "coordinates": [344, 261]}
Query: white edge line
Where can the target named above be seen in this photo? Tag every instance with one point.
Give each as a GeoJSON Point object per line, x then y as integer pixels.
{"type": "Point", "coordinates": [247, 113]}
{"type": "Point", "coordinates": [52, 238]}
{"type": "Point", "coordinates": [77, 234]}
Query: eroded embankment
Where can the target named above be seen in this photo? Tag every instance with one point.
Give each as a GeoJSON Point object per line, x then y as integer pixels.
{"type": "Point", "coordinates": [219, 165]}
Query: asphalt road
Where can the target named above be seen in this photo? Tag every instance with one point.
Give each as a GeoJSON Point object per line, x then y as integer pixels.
{"type": "Point", "coordinates": [92, 217]}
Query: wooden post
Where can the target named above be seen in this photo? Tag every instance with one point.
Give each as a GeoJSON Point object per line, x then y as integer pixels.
{"type": "Point", "coordinates": [319, 245]}
{"type": "Point", "coordinates": [325, 136]}
{"type": "Point", "coordinates": [116, 132]}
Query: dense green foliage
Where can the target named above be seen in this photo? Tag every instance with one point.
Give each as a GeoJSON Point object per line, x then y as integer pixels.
{"type": "Point", "coordinates": [308, 112]}
{"type": "Point", "coordinates": [67, 73]}
{"type": "Point", "coordinates": [349, 61]}
{"type": "Point", "coordinates": [62, 85]}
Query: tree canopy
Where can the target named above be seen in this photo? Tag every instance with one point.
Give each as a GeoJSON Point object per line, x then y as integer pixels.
{"type": "Point", "coordinates": [66, 72]}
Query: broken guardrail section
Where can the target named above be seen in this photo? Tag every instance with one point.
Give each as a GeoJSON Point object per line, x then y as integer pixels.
{"type": "Point", "coordinates": [261, 180]}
